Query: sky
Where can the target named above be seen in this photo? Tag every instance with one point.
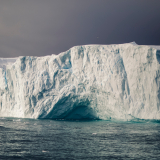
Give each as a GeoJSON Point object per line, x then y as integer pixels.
{"type": "Point", "coordinates": [45, 27]}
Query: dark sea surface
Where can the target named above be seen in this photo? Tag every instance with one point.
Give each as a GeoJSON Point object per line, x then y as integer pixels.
{"type": "Point", "coordinates": [72, 140]}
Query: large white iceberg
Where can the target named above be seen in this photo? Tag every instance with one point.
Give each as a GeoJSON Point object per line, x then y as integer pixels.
{"type": "Point", "coordinates": [86, 82]}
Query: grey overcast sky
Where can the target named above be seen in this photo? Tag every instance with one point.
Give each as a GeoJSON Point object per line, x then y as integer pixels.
{"type": "Point", "coordinates": [44, 27]}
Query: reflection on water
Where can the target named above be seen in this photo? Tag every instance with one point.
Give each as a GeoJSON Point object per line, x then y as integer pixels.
{"type": "Point", "coordinates": [49, 139]}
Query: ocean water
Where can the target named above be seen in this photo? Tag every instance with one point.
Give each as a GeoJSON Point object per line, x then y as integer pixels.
{"type": "Point", "coordinates": [73, 140]}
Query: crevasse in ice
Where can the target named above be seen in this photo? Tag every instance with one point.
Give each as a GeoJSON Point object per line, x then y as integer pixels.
{"type": "Point", "coordinates": [86, 82]}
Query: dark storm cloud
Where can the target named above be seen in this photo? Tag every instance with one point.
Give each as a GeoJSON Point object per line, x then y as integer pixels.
{"type": "Point", "coordinates": [38, 27]}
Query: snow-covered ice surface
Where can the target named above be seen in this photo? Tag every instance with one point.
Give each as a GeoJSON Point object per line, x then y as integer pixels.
{"type": "Point", "coordinates": [86, 82]}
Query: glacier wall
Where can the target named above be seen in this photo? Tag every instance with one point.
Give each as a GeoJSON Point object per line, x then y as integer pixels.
{"type": "Point", "coordinates": [86, 82]}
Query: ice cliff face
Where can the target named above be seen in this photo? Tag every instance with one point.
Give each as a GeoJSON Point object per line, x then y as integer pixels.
{"type": "Point", "coordinates": [85, 82]}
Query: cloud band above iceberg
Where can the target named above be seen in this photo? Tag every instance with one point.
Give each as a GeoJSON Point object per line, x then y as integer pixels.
{"type": "Point", "coordinates": [39, 28]}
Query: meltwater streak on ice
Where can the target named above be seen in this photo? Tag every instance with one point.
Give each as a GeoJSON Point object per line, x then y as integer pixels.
{"type": "Point", "coordinates": [86, 82]}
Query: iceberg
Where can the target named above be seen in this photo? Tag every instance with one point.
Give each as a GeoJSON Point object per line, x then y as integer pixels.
{"type": "Point", "coordinates": [86, 82]}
